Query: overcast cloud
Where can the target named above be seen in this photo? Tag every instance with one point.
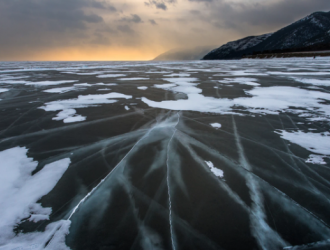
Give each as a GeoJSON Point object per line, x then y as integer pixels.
{"type": "Point", "coordinates": [93, 29]}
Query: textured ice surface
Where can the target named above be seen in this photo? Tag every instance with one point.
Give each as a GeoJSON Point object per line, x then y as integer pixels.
{"type": "Point", "coordinates": [196, 155]}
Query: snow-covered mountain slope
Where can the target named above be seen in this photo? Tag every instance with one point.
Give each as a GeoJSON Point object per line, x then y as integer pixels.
{"type": "Point", "coordinates": [311, 30]}
{"type": "Point", "coordinates": [236, 49]}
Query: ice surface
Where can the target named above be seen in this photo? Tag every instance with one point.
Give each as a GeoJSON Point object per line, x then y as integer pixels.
{"type": "Point", "coordinates": [165, 167]}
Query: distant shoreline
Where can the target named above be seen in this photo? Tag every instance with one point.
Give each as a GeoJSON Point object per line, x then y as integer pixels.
{"type": "Point", "coordinates": [289, 55]}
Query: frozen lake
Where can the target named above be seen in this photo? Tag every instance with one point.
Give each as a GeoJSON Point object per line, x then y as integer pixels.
{"type": "Point", "coordinates": [165, 155]}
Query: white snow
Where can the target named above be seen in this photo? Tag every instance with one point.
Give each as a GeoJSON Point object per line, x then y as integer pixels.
{"type": "Point", "coordinates": [263, 100]}
{"type": "Point", "coordinates": [105, 89]}
{"type": "Point", "coordinates": [217, 172]}
{"type": "Point", "coordinates": [20, 190]}
{"type": "Point", "coordinates": [60, 90]}
{"type": "Point", "coordinates": [106, 84]}
{"type": "Point", "coordinates": [3, 90]}
{"type": "Point", "coordinates": [110, 75]}
{"type": "Point", "coordinates": [67, 107]}
{"type": "Point", "coordinates": [178, 75]}
{"type": "Point", "coordinates": [241, 80]}
{"type": "Point", "coordinates": [318, 143]}
{"type": "Point", "coordinates": [317, 82]}
{"type": "Point", "coordinates": [142, 87]}
{"type": "Point", "coordinates": [133, 79]}
{"type": "Point", "coordinates": [316, 159]}
{"type": "Point", "coordinates": [127, 108]}
{"type": "Point", "coordinates": [216, 125]}
{"type": "Point", "coordinates": [83, 84]}
{"type": "Point", "coordinates": [48, 83]}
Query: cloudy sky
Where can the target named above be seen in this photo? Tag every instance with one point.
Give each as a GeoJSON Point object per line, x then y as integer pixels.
{"type": "Point", "coordinates": [135, 29]}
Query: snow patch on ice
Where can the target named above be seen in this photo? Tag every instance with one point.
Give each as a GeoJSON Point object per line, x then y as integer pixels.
{"type": "Point", "coordinates": [178, 75]}
{"type": "Point", "coordinates": [3, 90]}
{"type": "Point", "coordinates": [133, 79]}
{"type": "Point", "coordinates": [142, 87]}
{"type": "Point", "coordinates": [83, 84]}
{"type": "Point", "coordinates": [217, 172]}
{"type": "Point", "coordinates": [20, 191]}
{"type": "Point", "coordinates": [60, 90]}
{"type": "Point", "coordinates": [216, 125]}
{"type": "Point", "coordinates": [318, 143]}
{"type": "Point", "coordinates": [317, 82]}
{"type": "Point", "coordinates": [241, 80]}
{"type": "Point", "coordinates": [67, 107]}
{"type": "Point", "coordinates": [316, 159]}
{"type": "Point", "coordinates": [49, 83]}
{"type": "Point", "coordinates": [110, 75]}
{"type": "Point", "coordinates": [262, 100]}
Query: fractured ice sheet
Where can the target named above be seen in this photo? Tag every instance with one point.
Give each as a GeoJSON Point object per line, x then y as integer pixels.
{"type": "Point", "coordinates": [154, 178]}
{"type": "Point", "coordinates": [20, 191]}
{"type": "Point", "coordinates": [67, 107]}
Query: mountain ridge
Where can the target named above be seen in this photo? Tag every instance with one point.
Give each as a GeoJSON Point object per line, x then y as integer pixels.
{"type": "Point", "coordinates": [310, 30]}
